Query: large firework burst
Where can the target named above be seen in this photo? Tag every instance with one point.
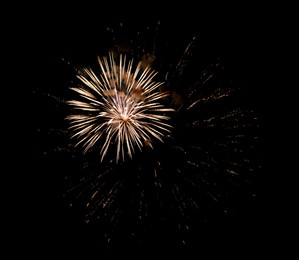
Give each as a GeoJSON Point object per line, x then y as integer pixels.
{"type": "Point", "coordinates": [121, 106]}
{"type": "Point", "coordinates": [202, 173]}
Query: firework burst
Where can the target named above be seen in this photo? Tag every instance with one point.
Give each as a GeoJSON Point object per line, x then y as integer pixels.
{"type": "Point", "coordinates": [205, 169]}
{"type": "Point", "coordinates": [121, 106]}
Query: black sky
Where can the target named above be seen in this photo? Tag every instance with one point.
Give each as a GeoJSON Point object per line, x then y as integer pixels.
{"type": "Point", "coordinates": [46, 220]}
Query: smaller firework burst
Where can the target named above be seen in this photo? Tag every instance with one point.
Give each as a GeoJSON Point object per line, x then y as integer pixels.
{"type": "Point", "coordinates": [121, 107]}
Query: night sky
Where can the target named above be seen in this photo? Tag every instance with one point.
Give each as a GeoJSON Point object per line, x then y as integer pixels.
{"type": "Point", "coordinates": [73, 40]}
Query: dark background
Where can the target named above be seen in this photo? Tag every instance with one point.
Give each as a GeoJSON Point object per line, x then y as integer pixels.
{"type": "Point", "coordinates": [46, 224]}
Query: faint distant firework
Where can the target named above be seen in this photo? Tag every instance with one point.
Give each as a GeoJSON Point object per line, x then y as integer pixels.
{"type": "Point", "coordinates": [206, 167]}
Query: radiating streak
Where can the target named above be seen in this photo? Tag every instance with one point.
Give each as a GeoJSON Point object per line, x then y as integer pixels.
{"type": "Point", "coordinates": [232, 172]}
{"type": "Point", "coordinates": [217, 95]}
{"type": "Point", "coordinates": [178, 197]}
{"type": "Point", "coordinates": [105, 200]}
{"type": "Point", "coordinates": [182, 63]}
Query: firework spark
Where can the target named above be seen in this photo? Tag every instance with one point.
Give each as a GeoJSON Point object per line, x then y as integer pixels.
{"type": "Point", "coordinates": [121, 106]}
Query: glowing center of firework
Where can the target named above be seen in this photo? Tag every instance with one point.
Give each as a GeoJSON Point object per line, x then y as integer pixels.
{"type": "Point", "coordinates": [120, 108]}
{"type": "Point", "coordinates": [125, 118]}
